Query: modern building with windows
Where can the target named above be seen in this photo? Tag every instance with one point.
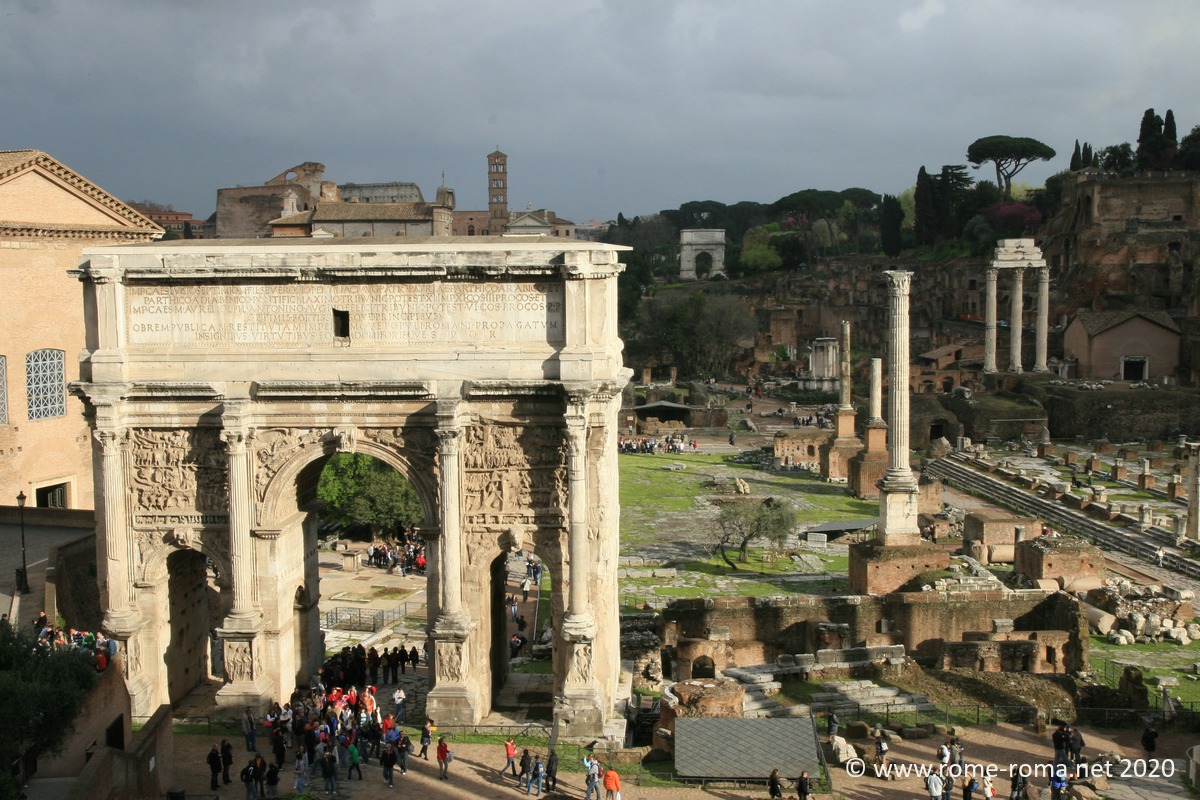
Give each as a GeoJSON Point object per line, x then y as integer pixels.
{"type": "Point", "coordinates": [48, 215]}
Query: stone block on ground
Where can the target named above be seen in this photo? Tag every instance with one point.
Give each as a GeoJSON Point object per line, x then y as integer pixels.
{"type": "Point", "coordinates": [857, 730]}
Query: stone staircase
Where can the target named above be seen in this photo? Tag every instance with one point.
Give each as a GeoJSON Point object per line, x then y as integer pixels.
{"type": "Point", "coordinates": [851, 698]}
{"type": "Point", "coordinates": [848, 698]}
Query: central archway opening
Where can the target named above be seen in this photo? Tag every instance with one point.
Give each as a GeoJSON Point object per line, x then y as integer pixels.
{"type": "Point", "coordinates": [374, 574]}
{"type": "Point", "coordinates": [522, 652]}
{"type": "Point", "coordinates": [192, 614]}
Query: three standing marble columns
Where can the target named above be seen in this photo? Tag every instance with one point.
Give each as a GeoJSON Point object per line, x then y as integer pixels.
{"type": "Point", "coordinates": [1015, 256]}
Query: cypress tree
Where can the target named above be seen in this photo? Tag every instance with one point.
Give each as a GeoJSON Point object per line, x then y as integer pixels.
{"type": "Point", "coordinates": [1086, 159]}
{"type": "Point", "coordinates": [1076, 158]}
{"type": "Point", "coordinates": [925, 207]}
{"type": "Point", "coordinates": [1149, 140]}
{"type": "Point", "coordinates": [891, 216]}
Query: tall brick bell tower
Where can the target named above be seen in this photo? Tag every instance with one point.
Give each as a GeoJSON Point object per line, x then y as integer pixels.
{"type": "Point", "coordinates": [497, 193]}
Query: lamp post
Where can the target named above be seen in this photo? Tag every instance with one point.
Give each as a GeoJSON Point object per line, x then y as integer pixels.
{"type": "Point", "coordinates": [22, 573]}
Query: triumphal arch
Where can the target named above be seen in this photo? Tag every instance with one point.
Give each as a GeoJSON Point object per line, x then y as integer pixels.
{"type": "Point", "coordinates": [219, 377]}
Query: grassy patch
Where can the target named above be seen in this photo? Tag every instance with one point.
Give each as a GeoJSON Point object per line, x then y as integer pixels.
{"type": "Point", "coordinates": [1154, 660]}
{"type": "Point", "coordinates": [389, 593]}
{"type": "Point", "coordinates": [797, 692]}
{"type": "Point", "coordinates": [542, 667]}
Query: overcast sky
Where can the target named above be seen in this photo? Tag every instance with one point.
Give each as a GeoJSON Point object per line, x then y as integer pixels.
{"type": "Point", "coordinates": [602, 106]}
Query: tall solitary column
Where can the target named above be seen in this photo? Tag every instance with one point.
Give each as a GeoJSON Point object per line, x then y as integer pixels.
{"type": "Point", "coordinates": [1192, 526]}
{"type": "Point", "coordinates": [579, 623]}
{"type": "Point", "coordinates": [898, 503]}
{"type": "Point", "coordinates": [845, 376]}
{"type": "Point", "coordinates": [243, 615]}
{"type": "Point", "coordinates": [989, 322]}
{"type": "Point", "coordinates": [1042, 331]}
{"type": "Point", "coordinates": [1018, 307]}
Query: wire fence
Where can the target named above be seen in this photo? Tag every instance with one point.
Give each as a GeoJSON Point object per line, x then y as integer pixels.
{"type": "Point", "coordinates": [1185, 715]}
{"type": "Point", "coordinates": [364, 619]}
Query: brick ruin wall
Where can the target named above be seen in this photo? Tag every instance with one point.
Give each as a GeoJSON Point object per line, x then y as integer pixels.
{"type": "Point", "coordinates": [749, 631]}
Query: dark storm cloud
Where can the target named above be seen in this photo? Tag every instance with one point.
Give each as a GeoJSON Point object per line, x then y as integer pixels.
{"type": "Point", "coordinates": [627, 105]}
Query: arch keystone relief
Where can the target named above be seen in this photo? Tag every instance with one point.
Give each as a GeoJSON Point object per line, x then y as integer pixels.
{"type": "Point", "coordinates": [221, 381]}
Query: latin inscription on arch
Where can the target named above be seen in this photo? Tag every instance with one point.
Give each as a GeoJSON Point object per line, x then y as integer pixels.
{"type": "Point", "coordinates": [300, 315]}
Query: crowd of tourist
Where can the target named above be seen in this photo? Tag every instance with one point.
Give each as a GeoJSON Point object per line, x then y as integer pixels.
{"type": "Point", "coordinates": [339, 722]}
{"type": "Point", "coordinates": [99, 648]}
{"type": "Point", "coordinates": [408, 555]}
{"type": "Point", "coordinates": [672, 443]}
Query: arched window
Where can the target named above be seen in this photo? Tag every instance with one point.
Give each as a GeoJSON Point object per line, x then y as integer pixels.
{"type": "Point", "coordinates": [3, 390]}
{"type": "Point", "coordinates": [470, 230]}
{"type": "Point", "coordinates": [46, 383]}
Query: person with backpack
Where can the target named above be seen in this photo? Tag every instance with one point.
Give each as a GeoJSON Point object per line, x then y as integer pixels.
{"type": "Point", "coordinates": [881, 756]}
{"type": "Point", "coordinates": [934, 786]}
{"type": "Point", "coordinates": [537, 775]}
{"type": "Point", "coordinates": [970, 786]}
{"type": "Point", "coordinates": [592, 765]}
{"type": "Point", "coordinates": [247, 778]}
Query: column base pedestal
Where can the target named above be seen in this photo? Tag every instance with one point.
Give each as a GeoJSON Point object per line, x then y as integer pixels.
{"type": "Point", "coordinates": [452, 704]}
{"type": "Point", "coordinates": [876, 568]}
{"type": "Point", "coordinates": [579, 714]}
{"type": "Point", "coordinates": [239, 696]}
{"type": "Point", "coordinates": [242, 623]}
{"type": "Point", "coordinates": [122, 624]}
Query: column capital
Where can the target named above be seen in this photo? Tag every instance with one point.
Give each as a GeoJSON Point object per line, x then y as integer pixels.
{"type": "Point", "coordinates": [235, 440]}
{"type": "Point", "coordinates": [111, 441]}
{"type": "Point", "coordinates": [899, 282]}
{"type": "Point", "coordinates": [992, 273]}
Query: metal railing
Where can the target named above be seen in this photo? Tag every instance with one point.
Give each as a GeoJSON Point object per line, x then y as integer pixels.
{"type": "Point", "coordinates": [363, 619]}
{"type": "Point", "coordinates": [966, 715]}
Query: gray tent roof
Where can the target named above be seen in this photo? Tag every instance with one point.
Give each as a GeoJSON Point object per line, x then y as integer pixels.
{"type": "Point", "coordinates": [844, 525]}
{"type": "Point", "coordinates": [713, 747]}
{"type": "Point", "coordinates": [663, 404]}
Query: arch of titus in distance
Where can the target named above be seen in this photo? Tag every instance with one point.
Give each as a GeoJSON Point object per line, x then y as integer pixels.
{"type": "Point", "coordinates": [219, 376]}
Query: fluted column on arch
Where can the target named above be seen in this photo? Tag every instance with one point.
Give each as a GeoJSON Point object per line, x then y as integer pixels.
{"type": "Point", "coordinates": [578, 706]}
{"type": "Point", "coordinates": [121, 618]}
{"type": "Point", "coordinates": [241, 633]}
{"type": "Point", "coordinates": [453, 699]}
